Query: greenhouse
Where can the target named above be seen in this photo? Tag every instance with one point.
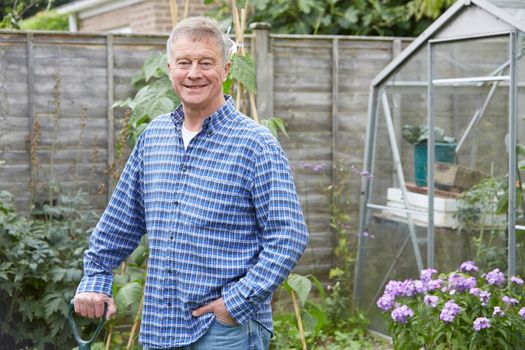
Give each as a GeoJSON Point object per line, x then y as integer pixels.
{"type": "Point", "coordinates": [464, 78]}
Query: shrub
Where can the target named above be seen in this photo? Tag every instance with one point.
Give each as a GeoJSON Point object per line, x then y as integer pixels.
{"type": "Point", "coordinates": [463, 309]}
{"type": "Point", "coordinates": [40, 267]}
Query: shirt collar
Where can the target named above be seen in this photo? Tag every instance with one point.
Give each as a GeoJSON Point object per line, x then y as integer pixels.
{"type": "Point", "coordinates": [211, 122]}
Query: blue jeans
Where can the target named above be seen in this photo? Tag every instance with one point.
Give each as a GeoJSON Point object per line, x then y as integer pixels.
{"type": "Point", "coordinates": [248, 336]}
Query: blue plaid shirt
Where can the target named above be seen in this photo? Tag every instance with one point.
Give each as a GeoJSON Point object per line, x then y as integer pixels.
{"type": "Point", "coordinates": [222, 219]}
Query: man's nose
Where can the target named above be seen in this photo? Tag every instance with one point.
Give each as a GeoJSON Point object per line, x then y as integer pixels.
{"type": "Point", "coordinates": [194, 71]}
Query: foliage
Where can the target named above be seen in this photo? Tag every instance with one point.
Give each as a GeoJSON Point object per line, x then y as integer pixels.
{"type": "Point", "coordinates": [46, 20]}
{"type": "Point", "coordinates": [40, 267]}
{"type": "Point", "coordinates": [320, 333]}
{"type": "Point", "coordinates": [12, 12]}
{"type": "Point", "coordinates": [154, 97]}
{"type": "Point", "coordinates": [478, 211]}
{"type": "Point", "coordinates": [463, 309]}
{"type": "Point", "coordinates": [354, 17]}
{"type": "Point", "coordinates": [416, 134]}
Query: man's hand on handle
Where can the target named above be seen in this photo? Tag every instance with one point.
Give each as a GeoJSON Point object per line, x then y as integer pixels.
{"type": "Point", "coordinates": [92, 305]}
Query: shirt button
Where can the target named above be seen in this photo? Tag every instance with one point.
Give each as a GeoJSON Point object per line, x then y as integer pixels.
{"type": "Point", "coordinates": [183, 168]}
{"type": "Point", "coordinates": [169, 304]}
{"type": "Point", "coordinates": [171, 237]}
{"type": "Point", "coordinates": [176, 202]}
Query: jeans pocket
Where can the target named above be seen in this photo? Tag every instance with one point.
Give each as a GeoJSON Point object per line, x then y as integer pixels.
{"type": "Point", "coordinates": [225, 324]}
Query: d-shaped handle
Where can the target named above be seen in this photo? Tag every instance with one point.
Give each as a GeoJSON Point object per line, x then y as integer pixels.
{"type": "Point", "coordinates": [84, 344]}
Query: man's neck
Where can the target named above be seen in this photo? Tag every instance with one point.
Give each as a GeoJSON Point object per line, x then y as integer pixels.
{"type": "Point", "coordinates": [194, 117]}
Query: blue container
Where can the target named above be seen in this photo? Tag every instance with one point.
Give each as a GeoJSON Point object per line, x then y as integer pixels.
{"type": "Point", "coordinates": [443, 152]}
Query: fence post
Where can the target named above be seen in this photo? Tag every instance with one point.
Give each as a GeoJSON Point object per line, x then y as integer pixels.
{"type": "Point", "coordinates": [110, 114]}
{"type": "Point", "coordinates": [264, 69]}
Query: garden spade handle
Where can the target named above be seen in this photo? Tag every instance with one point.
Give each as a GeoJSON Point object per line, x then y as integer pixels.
{"type": "Point", "coordinates": [84, 344]}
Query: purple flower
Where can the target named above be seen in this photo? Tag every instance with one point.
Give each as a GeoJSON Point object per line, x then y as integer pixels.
{"type": "Point", "coordinates": [481, 323]}
{"type": "Point", "coordinates": [468, 266]}
{"type": "Point", "coordinates": [386, 302]}
{"type": "Point", "coordinates": [522, 313]}
{"type": "Point", "coordinates": [434, 284]}
{"type": "Point", "coordinates": [408, 288]}
{"type": "Point", "coordinates": [319, 167]}
{"type": "Point", "coordinates": [509, 300]}
{"type": "Point", "coordinates": [450, 311]}
{"type": "Point", "coordinates": [461, 283]}
{"type": "Point", "coordinates": [401, 313]}
{"type": "Point", "coordinates": [475, 291]}
{"type": "Point", "coordinates": [495, 277]}
{"type": "Point", "coordinates": [426, 274]}
{"type": "Point", "coordinates": [394, 288]}
{"type": "Point", "coordinates": [314, 167]}
{"type": "Point", "coordinates": [431, 300]}
{"type": "Point", "coordinates": [498, 312]}
{"type": "Point", "coordinates": [366, 173]}
{"type": "Point", "coordinates": [517, 280]}
{"type": "Point", "coordinates": [420, 286]}
{"type": "Point", "coordinates": [484, 296]}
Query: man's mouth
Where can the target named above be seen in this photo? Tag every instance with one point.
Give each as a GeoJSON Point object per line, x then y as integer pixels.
{"type": "Point", "coordinates": [194, 87]}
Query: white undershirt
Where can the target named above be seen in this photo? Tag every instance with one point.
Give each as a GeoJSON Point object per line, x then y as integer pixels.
{"type": "Point", "coordinates": [187, 136]}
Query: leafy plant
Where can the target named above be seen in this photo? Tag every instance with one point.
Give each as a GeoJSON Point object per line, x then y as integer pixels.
{"type": "Point", "coordinates": [40, 267]}
{"type": "Point", "coordinates": [46, 20]}
{"type": "Point", "coordinates": [354, 17]}
{"type": "Point", "coordinates": [463, 309]}
{"type": "Point", "coordinates": [478, 212]}
{"type": "Point", "coordinates": [415, 134]}
{"type": "Point", "coordinates": [155, 96]}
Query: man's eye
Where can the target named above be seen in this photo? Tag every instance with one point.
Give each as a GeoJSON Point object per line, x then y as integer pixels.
{"type": "Point", "coordinates": [206, 65]}
{"type": "Point", "coordinates": [183, 64]}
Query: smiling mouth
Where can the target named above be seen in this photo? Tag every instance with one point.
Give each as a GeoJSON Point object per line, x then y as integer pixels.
{"type": "Point", "coordinates": [194, 87]}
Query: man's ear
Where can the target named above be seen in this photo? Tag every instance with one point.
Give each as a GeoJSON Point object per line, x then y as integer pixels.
{"type": "Point", "coordinates": [227, 67]}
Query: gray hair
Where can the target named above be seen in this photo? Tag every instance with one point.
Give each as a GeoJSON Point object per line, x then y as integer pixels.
{"type": "Point", "coordinates": [198, 28]}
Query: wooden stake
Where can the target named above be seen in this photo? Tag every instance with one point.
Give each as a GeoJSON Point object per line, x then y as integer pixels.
{"type": "Point", "coordinates": [186, 7]}
{"type": "Point", "coordinates": [136, 323]}
{"type": "Point", "coordinates": [299, 319]}
{"type": "Point", "coordinates": [174, 12]}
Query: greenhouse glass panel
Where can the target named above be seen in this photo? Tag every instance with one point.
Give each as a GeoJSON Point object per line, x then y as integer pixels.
{"type": "Point", "coordinates": [439, 198]}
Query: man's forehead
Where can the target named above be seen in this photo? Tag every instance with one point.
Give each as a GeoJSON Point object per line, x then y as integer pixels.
{"type": "Point", "coordinates": [200, 38]}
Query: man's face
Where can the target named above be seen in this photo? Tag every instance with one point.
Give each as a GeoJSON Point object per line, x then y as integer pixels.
{"type": "Point", "coordinates": [197, 72]}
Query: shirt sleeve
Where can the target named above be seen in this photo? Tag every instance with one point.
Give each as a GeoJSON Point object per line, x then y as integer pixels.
{"type": "Point", "coordinates": [284, 234]}
{"type": "Point", "coordinates": [119, 229]}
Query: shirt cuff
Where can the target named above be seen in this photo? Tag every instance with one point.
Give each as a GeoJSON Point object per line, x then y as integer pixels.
{"type": "Point", "coordinates": [241, 308]}
{"type": "Point", "coordinates": [96, 284]}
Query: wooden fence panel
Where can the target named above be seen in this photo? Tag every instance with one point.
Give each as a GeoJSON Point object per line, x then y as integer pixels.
{"type": "Point", "coordinates": [60, 87]}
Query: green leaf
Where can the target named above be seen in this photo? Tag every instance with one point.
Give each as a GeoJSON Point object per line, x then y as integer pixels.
{"type": "Point", "coordinates": [160, 106]}
{"type": "Point", "coordinates": [129, 294]}
{"type": "Point", "coordinates": [154, 65]}
{"type": "Point", "coordinates": [135, 134]}
{"type": "Point", "coordinates": [318, 285]}
{"type": "Point", "coordinates": [243, 70]}
{"type": "Point", "coordinates": [351, 15]}
{"type": "Point", "coordinates": [275, 125]}
{"type": "Point", "coordinates": [139, 255]}
{"type": "Point", "coordinates": [520, 149]}
{"type": "Point", "coordinates": [305, 6]}
{"type": "Point", "coordinates": [301, 285]}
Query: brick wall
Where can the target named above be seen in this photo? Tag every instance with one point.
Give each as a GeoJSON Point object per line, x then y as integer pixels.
{"type": "Point", "coordinates": [149, 16]}
{"type": "Point", "coordinates": [106, 21]}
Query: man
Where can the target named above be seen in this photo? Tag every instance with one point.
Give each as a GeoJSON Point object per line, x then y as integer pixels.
{"type": "Point", "coordinates": [214, 193]}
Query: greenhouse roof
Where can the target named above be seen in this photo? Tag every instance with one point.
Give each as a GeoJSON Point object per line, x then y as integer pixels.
{"type": "Point", "coordinates": [465, 18]}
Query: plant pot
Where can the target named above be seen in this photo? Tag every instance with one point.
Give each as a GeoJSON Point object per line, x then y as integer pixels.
{"type": "Point", "coordinates": [443, 152]}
